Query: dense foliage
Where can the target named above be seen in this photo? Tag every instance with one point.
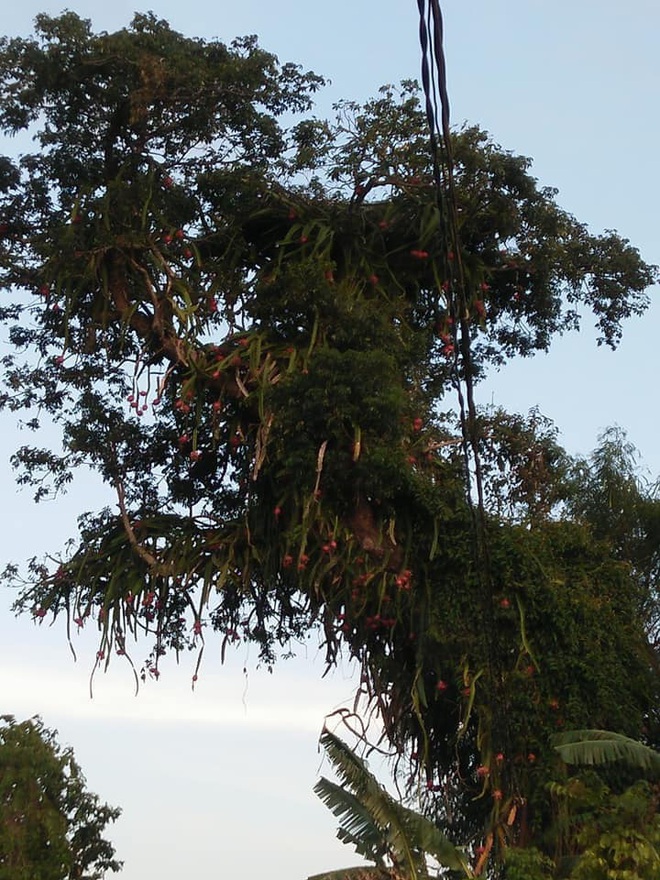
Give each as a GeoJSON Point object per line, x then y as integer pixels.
{"type": "Point", "coordinates": [253, 329]}
{"type": "Point", "coordinates": [51, 827]}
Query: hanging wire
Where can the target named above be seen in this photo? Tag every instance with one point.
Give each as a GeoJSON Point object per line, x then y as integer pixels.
{"type": "Point", "coordinates": [434, 83]}
{"type": "Point", "coordinates": [436, 102]}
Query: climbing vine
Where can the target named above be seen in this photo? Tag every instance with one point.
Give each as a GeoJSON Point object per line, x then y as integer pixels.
{"type": "Point", "coordinates": [254, 334]}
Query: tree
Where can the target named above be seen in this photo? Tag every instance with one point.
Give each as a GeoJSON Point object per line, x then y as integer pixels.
{"type": "Point", "coordinates": [604, 834]}
{"type": "Point", "coordinates": [254, 332]}
{"type": "Point", "coordinates": [621, 506]}
{"type": "Point", "coordinates": [605, 827]}
{"type": "Point", "coordinates": [51, 827]}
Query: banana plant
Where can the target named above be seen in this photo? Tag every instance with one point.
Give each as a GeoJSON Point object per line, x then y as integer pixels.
{"type": "Point", "coordinates": [397, 839]}
{"type": "Point", "coordinates": [604, 747]}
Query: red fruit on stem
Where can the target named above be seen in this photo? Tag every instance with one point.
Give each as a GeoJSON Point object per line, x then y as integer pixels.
{"type": "Point", "coordinates": [373, 279]}
{"type": "Point", "coordinates": [418, 424]}
{"type": "Point", "coordinates": [442, 686]}
{"type": "Point", "coordinates": [195, 455]}
{"type": "Point", "coordinates": [505, 603]}
{"type": "Point", "coordinates": [180, 234]}
{"type": "Point", "coordinates": [276, 512]}
{"type": "Point", "coordinates": [167, 182]}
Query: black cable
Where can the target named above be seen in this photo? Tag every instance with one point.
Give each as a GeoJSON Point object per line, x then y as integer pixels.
{"type": "Point", "coordinates": [434, 83]}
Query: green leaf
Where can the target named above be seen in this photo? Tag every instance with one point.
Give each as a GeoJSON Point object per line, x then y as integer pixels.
{"type": "Point", "coordinates": [376, 823]}
{"type": "Point", "coordinates": [598, 747]}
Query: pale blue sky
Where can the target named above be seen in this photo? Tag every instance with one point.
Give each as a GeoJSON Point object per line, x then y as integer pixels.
{"type": "Point", "coordinates": [220, 782]}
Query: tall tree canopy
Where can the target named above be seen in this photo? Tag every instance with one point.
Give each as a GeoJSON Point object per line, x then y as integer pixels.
{"type": "Point", "coordinates": [249, 327]}
{"type": "Point", "coordinates": [51, 827]}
